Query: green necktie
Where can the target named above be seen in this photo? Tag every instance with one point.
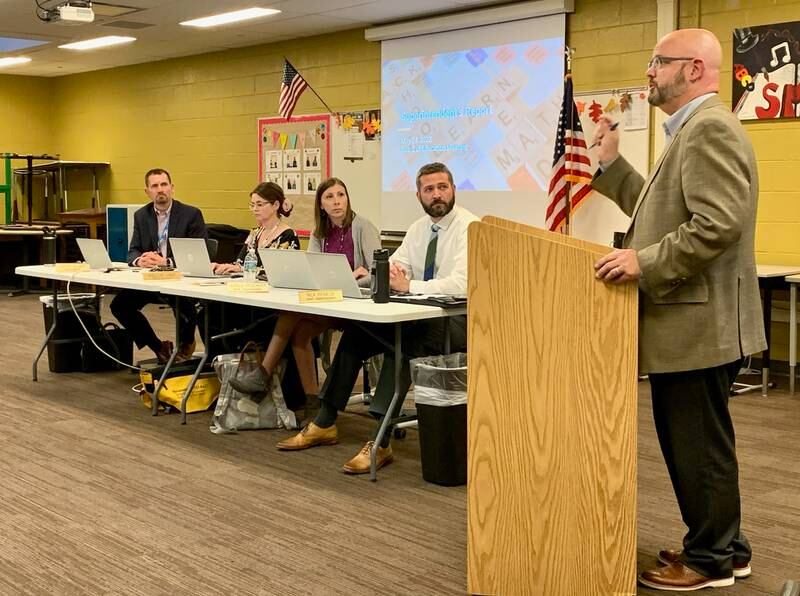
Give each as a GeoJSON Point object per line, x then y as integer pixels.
{"type": "Point", "coordinates": [430, 256]}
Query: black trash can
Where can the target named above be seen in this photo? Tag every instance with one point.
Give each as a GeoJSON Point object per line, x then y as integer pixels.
{"type": "Point", "coordinates": [440, 396]}
{"type": "Point", "coordinates": [64, 346]}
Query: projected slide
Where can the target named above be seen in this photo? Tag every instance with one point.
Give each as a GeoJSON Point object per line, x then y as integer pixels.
{"type": "Point", "coordinates": [489, 113]}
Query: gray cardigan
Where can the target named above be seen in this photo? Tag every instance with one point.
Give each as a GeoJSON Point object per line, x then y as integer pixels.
{"type": "Point", "coordinates": [366, 240]}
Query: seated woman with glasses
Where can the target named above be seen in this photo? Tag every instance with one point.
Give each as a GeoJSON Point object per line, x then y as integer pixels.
{"type": "Point", "coordinates": [337, 230]}
{"type": "Point", "coordinates": [269, 206]}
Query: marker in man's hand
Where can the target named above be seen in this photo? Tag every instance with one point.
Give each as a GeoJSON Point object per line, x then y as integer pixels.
{"type": "Point", "coordinates": [612, 127]}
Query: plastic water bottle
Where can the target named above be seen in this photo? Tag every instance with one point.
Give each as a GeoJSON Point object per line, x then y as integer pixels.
{"type": "Point", "coordinates": [250, 265]}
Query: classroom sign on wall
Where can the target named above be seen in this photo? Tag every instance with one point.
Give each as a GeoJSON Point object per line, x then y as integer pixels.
{"type": "Point", "coordinates": [766, 71]}
{"type": "Point", "coordinates": [296, 156]}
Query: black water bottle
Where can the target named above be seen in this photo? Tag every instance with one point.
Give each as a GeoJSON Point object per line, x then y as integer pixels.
{"type": "Point", "coordinates": [380, 275]}
{"type": "Point", "coordinates": [48, 245]}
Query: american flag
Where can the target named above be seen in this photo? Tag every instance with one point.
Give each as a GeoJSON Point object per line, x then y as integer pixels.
{"type": "Point", "coordinates": [570, 164]}
{"type": "Point", "coordinates": [292, 86]}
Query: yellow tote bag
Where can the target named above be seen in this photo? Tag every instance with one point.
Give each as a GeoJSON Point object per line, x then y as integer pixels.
{"type": "Point", "coordinates": [204, 393]}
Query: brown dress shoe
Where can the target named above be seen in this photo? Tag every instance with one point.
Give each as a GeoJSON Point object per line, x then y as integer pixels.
{"type": "Point", "coordinates": [185, 351]}
{"type": "Point", "coordinates": [677, 577]}
{"type": "Point", "coordinates": [165, 351]}
{"type": "Point", "coordinates": [310, 436]}
{"type": "Point", "coordinates": [360, 463]}
{"type": "Point", "coordinates": [669, 556]}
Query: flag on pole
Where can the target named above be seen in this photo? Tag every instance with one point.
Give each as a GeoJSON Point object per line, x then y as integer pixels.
{"type": "Point", "coordinates": [292, 86]}
{"type": "Point", "coordinates": [570, 180]}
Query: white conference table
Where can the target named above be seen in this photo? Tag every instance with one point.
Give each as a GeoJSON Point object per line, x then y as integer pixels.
{"type": "Point", "coordinates": [770, 278]}
{"type": "Point", "coordinates": [356, 310]}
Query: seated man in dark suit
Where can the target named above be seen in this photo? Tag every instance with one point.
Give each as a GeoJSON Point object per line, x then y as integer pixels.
{"type": "Point", "coordinates": [153, 225]}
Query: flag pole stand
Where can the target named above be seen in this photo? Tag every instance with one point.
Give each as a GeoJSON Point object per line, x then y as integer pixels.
{"type": "Point", "coordinates": [567, 229]}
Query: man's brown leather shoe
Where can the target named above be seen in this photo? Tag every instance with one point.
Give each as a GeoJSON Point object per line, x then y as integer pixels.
{"type": "Point", "coordinates": [677, 577]}
{"type": "Point", "coordinates": [164, 352]}
{"type": "Point", "coordinates": [669, 556]}
{"type": "Point", "coordinates": [310, 436]}
{"type": "Point", "coordinates": [360, 463]}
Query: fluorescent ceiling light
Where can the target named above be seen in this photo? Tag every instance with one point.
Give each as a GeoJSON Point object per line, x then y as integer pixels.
{"type": "Point", "coordinates": [97, 42]}
{"type": "Point", "coordinates": [11, 61]}
{"type": "Point", "coordinates": [231, 17]}
{"type": "Point", "coordinates": [13, 44]}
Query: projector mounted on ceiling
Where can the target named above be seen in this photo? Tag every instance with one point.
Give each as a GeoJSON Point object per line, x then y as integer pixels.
{"type": "Point", "coordinates": [71, 12]}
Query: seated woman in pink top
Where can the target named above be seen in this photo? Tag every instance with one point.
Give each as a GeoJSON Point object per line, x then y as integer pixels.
{"type": "Point", "coordinates": [337, 230]}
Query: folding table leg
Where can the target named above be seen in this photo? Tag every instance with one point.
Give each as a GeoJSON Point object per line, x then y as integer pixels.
{"type": "Point", "coordinates": [200, 366]}
{"type": "Point", "coordinates": [387, 418]}
{"type": "Point", "coordinates": [172, 356]}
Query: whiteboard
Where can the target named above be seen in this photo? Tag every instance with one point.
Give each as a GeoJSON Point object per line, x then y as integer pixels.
{"type": "Point", "coordinates": [362, 177]}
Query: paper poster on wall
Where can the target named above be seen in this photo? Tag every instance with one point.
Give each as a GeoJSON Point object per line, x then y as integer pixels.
{"type": "Point", "coordinates": [354, 145]}
{"type": "Point", "coordinates": [766, 71]}
{"type": "Point", "coordinates": [372, 125]}
{"type": "Point", "coordinates": [310, 182]}
{"type": "Point", "coordinates": [311, 159]}
{"type": "Point", "coordinates": [275, 177]}
{"type": "Point", "coordinates": [351, 121]}
{"type": "Point", "coordinates": [291, 182]}
{"type": "Point", "coordinates": [292, 160]}
{"type": "Point", "coordinates": [274, 161]}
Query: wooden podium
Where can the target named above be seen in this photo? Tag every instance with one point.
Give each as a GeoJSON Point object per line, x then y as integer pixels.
{"type": "Point", "coordinates": [552, 417]}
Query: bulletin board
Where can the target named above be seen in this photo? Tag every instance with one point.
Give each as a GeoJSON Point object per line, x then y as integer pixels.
{"type": "Point", "coordinates": [296, 155]}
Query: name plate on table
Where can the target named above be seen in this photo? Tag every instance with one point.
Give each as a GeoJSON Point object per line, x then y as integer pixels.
{"type": "Point", "coordinates": [71, 267]}
{"type": "Point", "coordinates": [311, 296]}
{"type": "Point", "coordinates": [161, 275]}
{"type": "Point", "coordinates": [248, 286]}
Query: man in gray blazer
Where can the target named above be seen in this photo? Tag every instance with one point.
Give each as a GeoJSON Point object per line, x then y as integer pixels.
{"type": "Point", "coordinates": [690, 248]}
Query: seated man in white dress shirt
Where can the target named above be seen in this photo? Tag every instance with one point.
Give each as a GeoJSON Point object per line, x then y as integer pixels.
{"type": "Point", "coordinates": [431, 260]}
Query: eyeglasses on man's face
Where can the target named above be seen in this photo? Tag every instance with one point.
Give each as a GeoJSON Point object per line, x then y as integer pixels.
{"type": "Point", "coordinates": [658, 61]}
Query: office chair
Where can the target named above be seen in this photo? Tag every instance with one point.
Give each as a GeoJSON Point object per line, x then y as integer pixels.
{"type": "Point", "coordinates": [212, 245]}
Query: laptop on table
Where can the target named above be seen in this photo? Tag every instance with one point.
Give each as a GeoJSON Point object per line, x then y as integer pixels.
{"type": "Point", "coordinates": [191, 258]}
{"type": "Point", "coordinates": [332, 272]}
{"type": "Point", "coordinates": [94, 252]}
{"type": "Point", "coordinates": [288, 269]}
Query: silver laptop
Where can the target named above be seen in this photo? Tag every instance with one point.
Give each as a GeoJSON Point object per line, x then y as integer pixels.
{"type": "Point", "coordinates": [332, 272]}
{"type": "Point", "coordinates": [191, 258]}
{"type": "Point", "coordinates": [94, 252]}
{"type": "Point", "coordinates": [287, 269]}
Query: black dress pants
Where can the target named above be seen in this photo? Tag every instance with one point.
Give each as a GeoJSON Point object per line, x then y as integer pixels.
{"type": "Point", "coordinates": [127, 308]}
{"type": "Point", "coordinates": [420, 338]}
{"type": "Point", "coordinates": [697, 439]}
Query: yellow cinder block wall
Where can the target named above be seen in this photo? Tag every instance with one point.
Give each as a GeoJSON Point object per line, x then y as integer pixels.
{"type": "Point", "coordinates": [26, 106]}
{"type": "Point", "coordinates": [196, 116]}
{"type": "Point", "coordinates": [25, 122]}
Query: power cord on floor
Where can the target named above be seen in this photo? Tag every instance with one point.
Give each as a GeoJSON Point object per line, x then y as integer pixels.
{"type": "Point", "coordinates": [88, 334]}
